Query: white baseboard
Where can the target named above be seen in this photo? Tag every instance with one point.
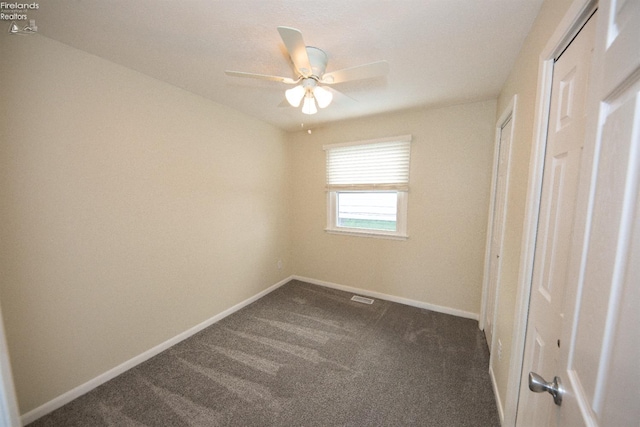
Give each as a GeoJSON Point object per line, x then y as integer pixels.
{"type": "Point", "coordinates": [72, 394]}
{"type": "Point", "coordinates": [392, 298]}
{"type": "Point", "coordinates": [496, 395]}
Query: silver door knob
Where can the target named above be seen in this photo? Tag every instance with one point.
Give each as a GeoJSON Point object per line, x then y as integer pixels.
{"type": "Point", "coordinates": [537, 384]}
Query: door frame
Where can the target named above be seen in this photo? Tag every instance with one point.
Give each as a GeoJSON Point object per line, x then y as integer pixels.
{"type": "Point", "coordinates": [508, 113]}
{"type": "Point", "coordinates": [567, 29]}
{"type": "Point", "coordinates": [9, 416]}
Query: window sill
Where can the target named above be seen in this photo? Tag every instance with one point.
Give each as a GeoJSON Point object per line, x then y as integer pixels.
{"type": "Point", "coordinates": [367, 234]}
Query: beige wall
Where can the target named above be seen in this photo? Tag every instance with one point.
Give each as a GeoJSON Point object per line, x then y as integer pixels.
{"type": "Point", "coordinates": [131, 211]}
{"type": "Point", "coordinates": [442, 261]}
{"type": "Point", "coordinates": [523, 81]}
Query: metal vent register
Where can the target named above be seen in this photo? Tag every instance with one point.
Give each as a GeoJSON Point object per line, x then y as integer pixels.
{"type": "Point", "coordinates": [363, 300]}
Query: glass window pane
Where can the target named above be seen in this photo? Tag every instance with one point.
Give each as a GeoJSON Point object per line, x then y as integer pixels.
{"type": "Point", "coordinates": [376, 210]}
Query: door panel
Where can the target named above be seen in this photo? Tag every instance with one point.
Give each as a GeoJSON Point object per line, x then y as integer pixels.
{"type": "Point", "coordinates": [607, 347]}
{"type": "Point", "coordinates": [601, 258]}
{"type": "Point", "coordinates": [600, 349]}
{"type": "Point", "coordinates": [602, 364]}
{"type": "Point", "coordinates": [555, 225]}
{"type": "Point", "coordinates": [621, 391]}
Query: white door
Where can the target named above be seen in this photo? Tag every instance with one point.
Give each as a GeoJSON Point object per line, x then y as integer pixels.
{"type": "Point", "coordinates": [597, 361]}
{"type": "Point", "coordinates": [497, 227]}
{"type": "Point", "coordinates": [565, 138]}
{"type": "Point", "coordinates": [602, 366]}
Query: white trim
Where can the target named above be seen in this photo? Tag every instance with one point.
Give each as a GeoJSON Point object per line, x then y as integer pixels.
{"type": "Point", "coordinates": [392, 298]}
{"type": "Point", "coordinates": [72, 394]}
{"type": "Point", "coordinates": [373, 234]}
{"type": "Point", "coordinates": [82, 389]}
{"type": "Point", "coordinates": [509, 113]}
{"type": "Point", "coordinates": [401, 219]}
{"type": "Point", "coordinates": [9, 416]}
{"type": "Point", "coordinates": [401, 138]}
{"type": "Point", "coordinates": [496, 395]}
{"type": "Point", "coordinates": [568, 27]}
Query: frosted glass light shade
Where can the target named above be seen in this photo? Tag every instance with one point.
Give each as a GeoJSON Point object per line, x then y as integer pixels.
{"type": "Point", "coordinates": [294, 95]}
{"type": "Point", "coordinates": [323, 96]}
{"type": "Point", "coordinates": [309, 106]}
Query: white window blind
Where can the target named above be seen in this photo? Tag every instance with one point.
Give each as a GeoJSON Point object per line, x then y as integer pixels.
{"type": "Point", "coordinates": [379, 164]}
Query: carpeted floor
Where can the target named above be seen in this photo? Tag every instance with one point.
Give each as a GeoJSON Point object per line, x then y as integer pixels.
{"type": "Point", "coordinates": [305, 355]}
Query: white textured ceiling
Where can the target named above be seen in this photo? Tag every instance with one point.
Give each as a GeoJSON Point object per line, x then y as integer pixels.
{"type": "Point", "coordinates": [439, 51]}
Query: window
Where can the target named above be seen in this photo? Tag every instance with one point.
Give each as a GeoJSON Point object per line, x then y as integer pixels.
{"type": "Point", "coordinates": [367, 185]}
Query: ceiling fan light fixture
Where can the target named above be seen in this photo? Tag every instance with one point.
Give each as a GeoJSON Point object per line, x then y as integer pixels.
{"type": "Point", "coordinates": [294, 95]}
{"type": "Point", "coordinates": [323, 96]}
{"type": "Point", "coordinates": [309, 106]}
{"type": "Point", "coordinates": [310, 64]}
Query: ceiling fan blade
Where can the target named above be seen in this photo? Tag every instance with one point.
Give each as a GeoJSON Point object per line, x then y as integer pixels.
{"type": "Point", "coordinates": [294, 42]}
{"type": "Point", "coordinates": [340, 97]}
{"type": "Point", "coordinates": [286, 80]}
{"type": "Point", "coordinates": [360, 72]}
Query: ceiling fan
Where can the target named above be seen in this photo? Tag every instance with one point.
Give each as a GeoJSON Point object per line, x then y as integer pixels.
{"type": "Point", "coordinates": [310, 65]}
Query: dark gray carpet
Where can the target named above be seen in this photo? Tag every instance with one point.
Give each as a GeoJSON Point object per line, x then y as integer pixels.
{"type": "Point", "coordinates": [305, 355]}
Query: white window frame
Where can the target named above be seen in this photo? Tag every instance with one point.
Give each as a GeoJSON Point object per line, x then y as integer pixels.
{"type": "Point", "coordinates": [402, 206]}
{"type": "Point", "coordinates": [401, 218]}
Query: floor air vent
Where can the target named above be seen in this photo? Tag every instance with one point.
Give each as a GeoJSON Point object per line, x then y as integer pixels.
{"type": "Point", "coordinates": [363, 300]}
